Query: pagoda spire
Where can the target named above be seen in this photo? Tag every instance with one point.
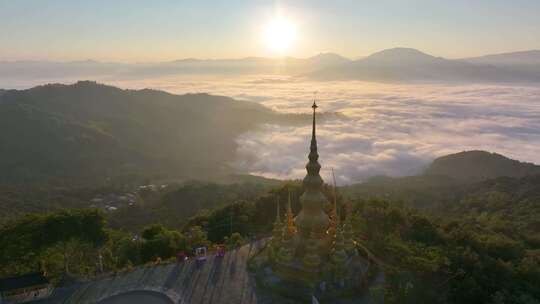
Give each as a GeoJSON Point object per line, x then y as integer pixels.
{"type": "Point", "coordinates": [313, 167]}
{"type": "Point", "coordinates": [312, 217]}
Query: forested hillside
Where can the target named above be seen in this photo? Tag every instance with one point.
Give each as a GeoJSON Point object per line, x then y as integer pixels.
{"type": "Point", "coordinates": [169, 204]}
{"type": "Point", "coordinates": [509, 203]}
{"type": "Point", "coordinates": [471, 166]}
{"type": "Point", "coordinates": [482, 250]}
{"type": "Point", "coordinates": [173, 207]}
{"type": "Point", "coordinates": [90, 133]}
{"type": "Point", "coordinates": [448, 179]}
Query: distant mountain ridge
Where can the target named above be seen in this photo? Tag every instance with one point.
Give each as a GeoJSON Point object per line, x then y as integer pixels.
{"type": "Point", "coordinates": [241, 66]}
{"type": "Point", "coordinates": [390, 65]}
{"type": "Point", "coordinates": [531, 57]}
{"type": "Point", "coordinates": [411, 65]}
{"type": "Point", "coordinates": [324, 58]}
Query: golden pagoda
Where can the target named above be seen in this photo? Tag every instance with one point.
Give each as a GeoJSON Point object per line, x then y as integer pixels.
{"type": "Point", "coordinates": [306, 245]}
{"type": "Point", "coordinates": [313, 249]}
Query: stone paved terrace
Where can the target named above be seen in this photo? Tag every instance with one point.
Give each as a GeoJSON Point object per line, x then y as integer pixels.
{"type": "Point", "coordinates": [219, 280]}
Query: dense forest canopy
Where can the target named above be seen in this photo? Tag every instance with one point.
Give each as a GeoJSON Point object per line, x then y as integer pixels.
{"type": "Point", "coordinates": [479, 165]}
{"type": "Point", "coordinates": [170, 204]}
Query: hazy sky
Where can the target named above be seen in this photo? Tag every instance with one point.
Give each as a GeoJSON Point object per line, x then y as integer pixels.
{"type": "Point", "coordinates": [142, 30]}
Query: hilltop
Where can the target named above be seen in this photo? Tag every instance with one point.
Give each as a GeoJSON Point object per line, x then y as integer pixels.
{"type": "Point", "coordinates": [480, 165]}
{"type": "Point", "coordinates": [448, 179]}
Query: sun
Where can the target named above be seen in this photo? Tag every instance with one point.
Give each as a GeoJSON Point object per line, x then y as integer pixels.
{"type": "Point", "coordinates": [279, 35]}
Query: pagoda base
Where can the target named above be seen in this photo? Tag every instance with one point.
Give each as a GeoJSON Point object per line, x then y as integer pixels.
{"type": "Point", "coordinates": [292, 280]}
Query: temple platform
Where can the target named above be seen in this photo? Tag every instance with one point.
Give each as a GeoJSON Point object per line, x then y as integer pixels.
{"type": "Point", "coordinates": [293, 281]}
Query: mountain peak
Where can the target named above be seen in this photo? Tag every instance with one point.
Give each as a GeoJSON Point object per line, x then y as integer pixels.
{"type": "Point", "coordinates": [400, 53]}
{"type": "Point", "coordinates": [328, 55]}
{"type": "Point", "coordinates": [328, 59]}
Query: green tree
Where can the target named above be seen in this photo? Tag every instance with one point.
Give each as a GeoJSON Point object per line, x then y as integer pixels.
{"type": "Point", "coordinates": [161, 242]}
{"type": "Point", "coordinates": [26, 242]}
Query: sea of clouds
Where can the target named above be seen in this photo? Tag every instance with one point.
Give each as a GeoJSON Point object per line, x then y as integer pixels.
{"type": "Point", "coordinates": [387, 129]}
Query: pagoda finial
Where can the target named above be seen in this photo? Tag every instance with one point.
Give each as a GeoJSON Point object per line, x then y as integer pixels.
{"type": "Point", "coordinates": [313, 154]}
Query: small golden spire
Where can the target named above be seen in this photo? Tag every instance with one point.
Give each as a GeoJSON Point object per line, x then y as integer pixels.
{"type": "Point", "coordinates": [333, 223]}
{"type": "Point", "coordinates": [290, 218]}
{"type": "Point", "coordinates": [333, 216]}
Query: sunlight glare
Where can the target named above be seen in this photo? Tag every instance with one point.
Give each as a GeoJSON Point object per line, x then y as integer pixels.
{"type": "Point", "coordinates": [279, 35]}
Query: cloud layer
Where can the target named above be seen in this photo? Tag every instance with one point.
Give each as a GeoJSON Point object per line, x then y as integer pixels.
{"type": "Point", "coordinates": [390, 129]}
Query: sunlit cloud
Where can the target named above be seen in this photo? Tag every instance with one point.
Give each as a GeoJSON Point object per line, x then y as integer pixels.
{"type": "Point", "coordinates": [393, 130]}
